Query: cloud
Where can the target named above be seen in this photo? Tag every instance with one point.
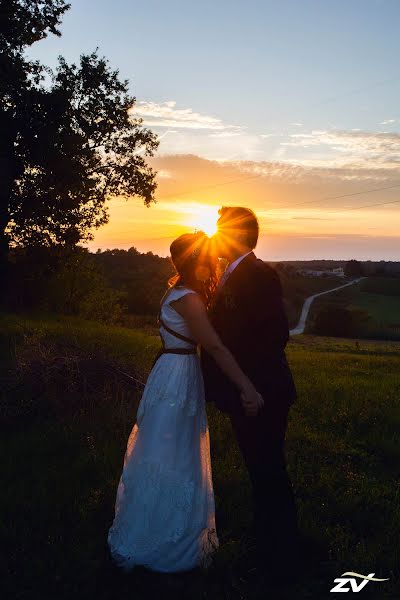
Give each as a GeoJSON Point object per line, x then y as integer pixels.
{"type": "Point", "coordinates": [299, 207]}
{"type": "Point", "coordinates": [225, 134]}
{"type": "Point", "coordinates": [347, 148]}
{"type": "Point", "coordinates": [270, 170]}
{"type": "Point", "coordinates": [351, 155]}
{"type": "Point", "coordinates": [165, 114]}
{"type": "Point", "coordinates": [388, 122]}
{"type": "Point", "coordinates": [275, 185]}
{"type": "Point", "coordinates": [163, 174]}
{"type": "Point", "coordinates": [311, 218]}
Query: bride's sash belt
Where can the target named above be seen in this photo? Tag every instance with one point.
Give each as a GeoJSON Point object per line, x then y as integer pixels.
{"type": "Point", "coordinates": [176, 334]}
{"type": "Point", "coordinates": [165, 350]}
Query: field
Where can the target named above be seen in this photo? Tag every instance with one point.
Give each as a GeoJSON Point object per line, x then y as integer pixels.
{"type": "Point", "coordinates": [378, 297]}
{"type": "Point", "coordinates": [66, 412]}
{"type": "Point", "coordinates": [296, 288]}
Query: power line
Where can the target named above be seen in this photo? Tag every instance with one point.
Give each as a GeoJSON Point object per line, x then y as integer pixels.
{"type": "Point", "coordinates": [367, 205]}
{"type": "Point", "coordinates": [307, 202]}
{"type": "Point", "coordinates": [212, 186]}
{"type": "Point", "coordinates": [389, 187]}
{"type": "Point", "coordinates": [363, 206]}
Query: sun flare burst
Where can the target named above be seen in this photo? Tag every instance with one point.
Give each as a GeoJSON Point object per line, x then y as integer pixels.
{"type": "Point", "coordinates": [205, 218]}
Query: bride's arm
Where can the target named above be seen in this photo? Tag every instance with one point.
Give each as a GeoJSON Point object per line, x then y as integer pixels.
{"type": "Point", "coordinates": [192, 309]}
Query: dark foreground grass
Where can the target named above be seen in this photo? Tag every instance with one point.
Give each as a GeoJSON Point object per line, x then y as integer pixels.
{"type": "Point", "coordinates": [65, 426]}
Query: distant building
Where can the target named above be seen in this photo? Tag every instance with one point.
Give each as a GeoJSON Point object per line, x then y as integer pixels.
{"type": "Point", "coordinates": [339, 272]}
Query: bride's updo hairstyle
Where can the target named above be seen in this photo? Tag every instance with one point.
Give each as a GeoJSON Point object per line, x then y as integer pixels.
{"type": "Point", "coordinates": [195, 262]}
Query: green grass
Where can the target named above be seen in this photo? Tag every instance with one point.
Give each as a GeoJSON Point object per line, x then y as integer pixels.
{"type": "Point", "coordinates": [127, 345]}
{"type": "Point", "coordinates": [296, 288]}
{"type": "Point", "coordinates": [379, 297]}
{"type": "Point", "coordinates": [61, 464]}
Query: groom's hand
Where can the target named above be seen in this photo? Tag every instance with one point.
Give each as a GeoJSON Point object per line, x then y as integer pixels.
{"type": "Point", "coordinates": [252, 401]}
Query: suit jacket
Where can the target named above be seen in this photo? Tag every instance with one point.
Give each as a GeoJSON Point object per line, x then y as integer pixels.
{"type": "Point", "coordinates": [249, 316]}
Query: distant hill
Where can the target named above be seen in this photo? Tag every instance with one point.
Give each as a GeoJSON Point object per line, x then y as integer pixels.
{"type": "Point", "coordinates": [118, 285]}
{"type": "Point", "coordinates": [369, 310]}
{"type": "Point", "coordinates": [381, 267]}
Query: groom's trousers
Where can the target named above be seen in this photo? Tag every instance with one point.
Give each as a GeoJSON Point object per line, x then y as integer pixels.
{"type": "Point", "coordinates": [261, 440]}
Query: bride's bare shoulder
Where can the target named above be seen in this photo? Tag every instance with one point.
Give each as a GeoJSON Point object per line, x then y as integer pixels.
{"type": "Point", "coordinates": [189, 304]}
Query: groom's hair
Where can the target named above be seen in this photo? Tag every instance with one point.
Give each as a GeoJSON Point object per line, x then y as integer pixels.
{"type": "Point", "coordinates": [239, 218]}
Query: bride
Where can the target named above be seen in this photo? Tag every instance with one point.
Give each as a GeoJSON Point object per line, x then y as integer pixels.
{"type": "Point", "coordinates": [164, 510]}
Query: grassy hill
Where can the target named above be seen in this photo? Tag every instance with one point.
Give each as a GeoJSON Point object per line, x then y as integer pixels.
{"type": "Point", "coordinates": [66, 413]}
{"type": "Point", "coordinates": [377, 297]}
{"type": "Point", "coordinates": [296, 289]}
{"type": "Point", "coordinates": [118, 286]}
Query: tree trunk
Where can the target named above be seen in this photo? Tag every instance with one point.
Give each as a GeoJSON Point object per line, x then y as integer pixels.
{"type": "Point", "coordinates": [7, 176]}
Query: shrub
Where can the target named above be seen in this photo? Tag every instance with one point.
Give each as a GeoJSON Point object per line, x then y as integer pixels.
{"type": "Point", "coordinates": [339, 321]}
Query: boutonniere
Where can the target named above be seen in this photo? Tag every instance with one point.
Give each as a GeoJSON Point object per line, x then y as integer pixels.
{"type": "Point", "coordinates": [228, 297]}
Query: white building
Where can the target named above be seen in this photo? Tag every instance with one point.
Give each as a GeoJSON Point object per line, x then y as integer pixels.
{"type": "Point", "coordinates": [339, 272]}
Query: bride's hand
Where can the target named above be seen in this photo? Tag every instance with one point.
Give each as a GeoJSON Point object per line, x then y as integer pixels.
{"type": "Point", "coordinates": [252, 401]}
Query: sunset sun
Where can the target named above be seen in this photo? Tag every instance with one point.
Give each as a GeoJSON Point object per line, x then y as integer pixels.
{"type": "Point", "coordinates": [205, 219]}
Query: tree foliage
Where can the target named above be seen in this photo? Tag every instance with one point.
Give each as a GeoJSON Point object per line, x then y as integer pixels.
{"type": "Point", "coordinates": [108, 285]}
{"type": "Point", "coordinates": [62, 281]}
{"type": "Point", "coordinates": [141, 277]}
{"type": "Point", "coordinates": [353, 268]}
{"type": "Point", "coordinates": [69, 142]}
{"type": "Point", "coordinates": [22, 22]}
{"type": "Point", "coordinates": [339, 321]}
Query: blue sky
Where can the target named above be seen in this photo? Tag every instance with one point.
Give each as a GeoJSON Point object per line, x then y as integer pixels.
{"type": "Point", "coordinates": [302, 90]}
{"type": "Point", "coordinates": [264, 64]}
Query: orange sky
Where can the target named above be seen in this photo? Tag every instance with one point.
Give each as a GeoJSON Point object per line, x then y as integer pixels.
{"type": "Point", "coordinates": [300, 214]}
{"type": "Point", "coordinates": [307, 99]}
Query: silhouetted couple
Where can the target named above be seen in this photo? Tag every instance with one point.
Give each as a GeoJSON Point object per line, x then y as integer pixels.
{"type": "Point", "coordinates": [164, 513]}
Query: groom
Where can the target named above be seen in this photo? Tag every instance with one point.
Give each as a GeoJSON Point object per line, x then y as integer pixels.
{"type": "Point", "coordinates": [248, 315]}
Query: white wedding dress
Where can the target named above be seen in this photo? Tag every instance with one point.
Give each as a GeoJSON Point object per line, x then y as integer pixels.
{"type": "Point", "coordinates": [164, 510]}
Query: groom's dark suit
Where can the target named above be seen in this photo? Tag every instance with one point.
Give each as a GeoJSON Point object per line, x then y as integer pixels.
{"type": "Point", "coordinates": [249, 317]}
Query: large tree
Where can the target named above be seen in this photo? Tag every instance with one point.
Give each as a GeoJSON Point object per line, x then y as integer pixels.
{"type": "Point", "coordinates": [353, 268]}
{"type": "Point", "coordinates": [68, 139]}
